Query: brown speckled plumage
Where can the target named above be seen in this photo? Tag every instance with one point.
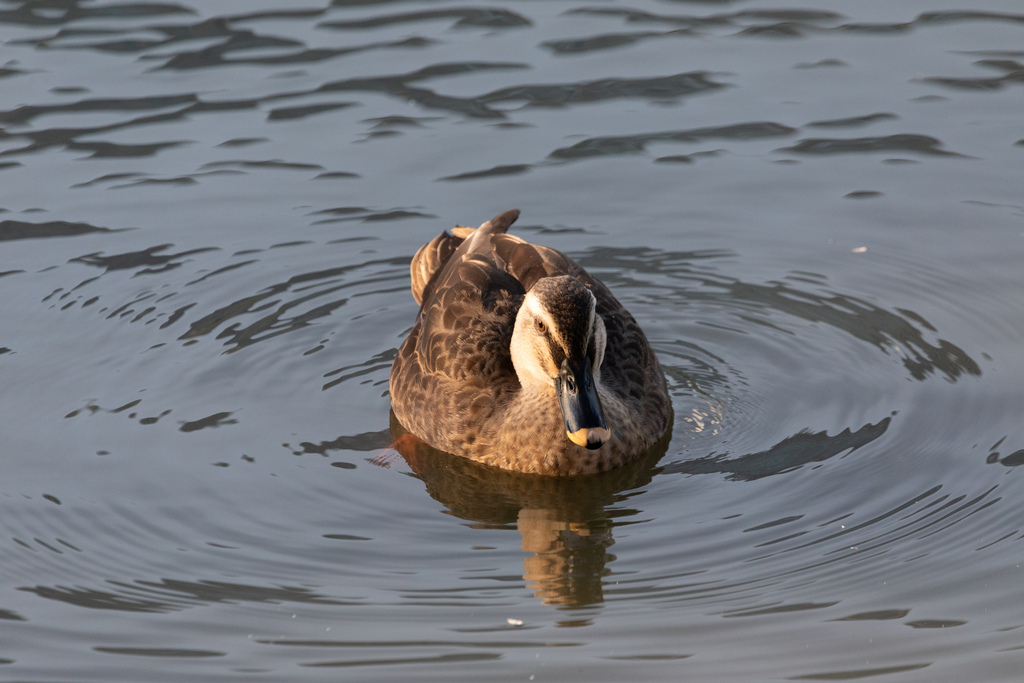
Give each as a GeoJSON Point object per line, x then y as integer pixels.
{"type": "Point", "coordinates": [453, 383]}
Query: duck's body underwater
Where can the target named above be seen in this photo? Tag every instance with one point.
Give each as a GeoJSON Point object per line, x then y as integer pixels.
{"type": "Point", "coordinates": [522, 360]}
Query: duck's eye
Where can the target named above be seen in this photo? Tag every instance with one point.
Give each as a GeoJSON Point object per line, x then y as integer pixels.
{"type": "Point", "coordinates": [541, 327]}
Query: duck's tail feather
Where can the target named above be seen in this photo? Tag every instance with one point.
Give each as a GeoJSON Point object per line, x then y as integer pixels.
{"type": "Point", "coordinates": [432, 256]}
{"type": "Point", "coordinates": [500, 224]}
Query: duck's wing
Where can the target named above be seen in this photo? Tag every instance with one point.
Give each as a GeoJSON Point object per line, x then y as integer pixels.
{"type": "Point", "coordinates": [630, 368]}
{"type": "Point", "coordinates": [455, 367]}
{"type": "Point", "coordinates": [469, 304]}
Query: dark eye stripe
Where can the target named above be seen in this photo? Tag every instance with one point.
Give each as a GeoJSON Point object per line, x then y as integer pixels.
{"type": "Point", "coordinates": [556, 351]}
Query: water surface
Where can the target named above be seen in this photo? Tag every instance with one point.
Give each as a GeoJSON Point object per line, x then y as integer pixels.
{"type": "Point", "coordinates": [207, 213]}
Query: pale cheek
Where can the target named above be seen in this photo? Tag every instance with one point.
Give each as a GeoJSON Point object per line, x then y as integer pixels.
{"type": "Point", "coordinates": [550, 371]}
{"type": "Point", "coordinates": [541, 368]}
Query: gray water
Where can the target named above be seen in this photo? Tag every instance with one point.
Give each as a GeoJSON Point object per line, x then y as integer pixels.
{"type": "Point", "coordinates": [815, 210]}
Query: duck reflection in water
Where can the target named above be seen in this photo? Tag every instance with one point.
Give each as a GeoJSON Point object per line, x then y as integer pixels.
{"type": "Point", "coordinates": [565, 523]}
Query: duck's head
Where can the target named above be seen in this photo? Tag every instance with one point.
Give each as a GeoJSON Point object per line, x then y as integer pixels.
{"type": "Point", "coordinates": [559, 342]}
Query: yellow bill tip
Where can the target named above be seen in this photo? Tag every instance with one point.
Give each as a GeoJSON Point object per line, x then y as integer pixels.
{"type": "Point", "coordinates": [590, 435]}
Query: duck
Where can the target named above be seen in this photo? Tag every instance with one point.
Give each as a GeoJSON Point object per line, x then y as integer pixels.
{"type": "Point", "coordinates": [522, 360]}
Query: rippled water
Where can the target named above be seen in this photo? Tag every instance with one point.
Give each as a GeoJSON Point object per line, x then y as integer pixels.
{"type": "Point", "coordinates": [208, 212]}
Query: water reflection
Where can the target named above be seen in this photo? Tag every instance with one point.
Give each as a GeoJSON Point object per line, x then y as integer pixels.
{"type": "Point", "coordinates": [464, 16]}
{"type": "Point", "coordinates": [22, 230]}
{"type": "Point", "coordinates": [252, 179]}
{"type": "Point", "coordinates": [675, 279]}
{"type": "Point", "coordinates": [565, 522]}
{"type": "Point", "coordinates": [776, 23]}
{"type": "Point", "coordinates": [798, 450]}
{"type": "Point", "coordinates": [172, 595]}
{"type": "Point", "coordinates": [167, 34]}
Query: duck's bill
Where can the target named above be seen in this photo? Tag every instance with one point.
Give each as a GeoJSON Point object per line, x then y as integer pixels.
{"type": "Point", "coordinates": [592, 437]}
{"type": "Point", "coordinates": [581, 408]}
